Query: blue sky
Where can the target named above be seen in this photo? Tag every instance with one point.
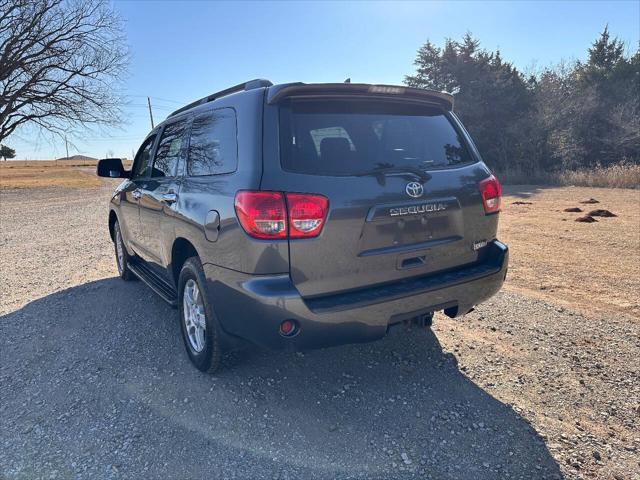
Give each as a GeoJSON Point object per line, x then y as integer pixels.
{"type": "Point", "coordinates": [182, 51]}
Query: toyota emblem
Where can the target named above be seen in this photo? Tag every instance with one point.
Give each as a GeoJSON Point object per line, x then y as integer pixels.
{"type": "Point", "coordinates": [414, 189]}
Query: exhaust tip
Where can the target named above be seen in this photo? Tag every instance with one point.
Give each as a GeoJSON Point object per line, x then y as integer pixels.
{"type": "Point", "coordinates": [451, 312]}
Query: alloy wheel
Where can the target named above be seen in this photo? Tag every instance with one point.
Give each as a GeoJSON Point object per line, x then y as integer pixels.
{"type": "Point", "coordinates": [194, 316]}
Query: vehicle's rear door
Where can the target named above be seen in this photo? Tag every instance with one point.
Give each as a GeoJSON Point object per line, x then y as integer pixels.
{"type": "Point", "coordinates": [402, 185]}
{"type": "Point", "coordinates": [160, 193]}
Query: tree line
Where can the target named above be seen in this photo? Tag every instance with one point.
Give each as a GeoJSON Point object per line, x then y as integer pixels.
{"type": "Point", "coordinates": [60, 62]}
{"type": "Point", "coordinates": [574, 115]}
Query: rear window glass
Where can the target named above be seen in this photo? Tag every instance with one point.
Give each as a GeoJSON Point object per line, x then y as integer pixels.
{"type": "Point", "coordinates": [320, 134]}
{"type": "Point", "coordinates": [347, 138]}
{"type": "Point", "coordinates": [213, 148]}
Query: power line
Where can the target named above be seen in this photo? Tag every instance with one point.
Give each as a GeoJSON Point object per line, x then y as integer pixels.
{"type": "Point", "coordinates": [127, 140]}
{"type": "Point", "coordinates": [158, 98]}
{"type": "Point", "coordinates": [161, 107]}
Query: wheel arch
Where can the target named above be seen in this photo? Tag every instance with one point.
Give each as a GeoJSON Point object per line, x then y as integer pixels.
{"type": "Point", "coordinates": [112, 222]}
{"type": "Point", "coordinates": [181, 250]}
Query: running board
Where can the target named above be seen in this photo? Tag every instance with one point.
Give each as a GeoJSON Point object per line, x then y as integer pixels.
{"type": "Point", "coordinates": [158, 285]}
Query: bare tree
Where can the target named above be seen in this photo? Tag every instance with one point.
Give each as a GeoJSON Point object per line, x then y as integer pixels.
{"type": "Point", "coordinates": [59, 63]}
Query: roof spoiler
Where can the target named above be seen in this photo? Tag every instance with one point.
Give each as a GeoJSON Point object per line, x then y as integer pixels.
{"type": "Point", "coordinates": [250, 85]}
{"type": "Point", "coordinates": [343, 90]}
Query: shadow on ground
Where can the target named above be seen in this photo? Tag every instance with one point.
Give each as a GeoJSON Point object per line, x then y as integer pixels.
{"type": "Point", "coordinates": [96, 383]}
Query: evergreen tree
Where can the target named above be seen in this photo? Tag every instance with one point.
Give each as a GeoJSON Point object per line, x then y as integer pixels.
{"type": "Point", "coordinates": [492, 96]}
{"type": "Point", "coordinates": [568, 116]}
{"type": "Point", "coordinates": [6, 152]}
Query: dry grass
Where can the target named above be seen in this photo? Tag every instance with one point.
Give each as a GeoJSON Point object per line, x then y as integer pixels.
{"type": "Point", "coordinates": [614, 176]}
{"type": "Point", "coordinates": [47, 176]}
{"type": "Point", "coordinates": [47, 163]}
{"type": "Point", "coordinates": [49, 173]}
{"type": "Point", "coordinates": [590, 266]}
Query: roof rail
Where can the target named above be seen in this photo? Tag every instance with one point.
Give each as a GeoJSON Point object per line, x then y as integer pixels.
{"type": "Point", "coordinates": [250, 85]}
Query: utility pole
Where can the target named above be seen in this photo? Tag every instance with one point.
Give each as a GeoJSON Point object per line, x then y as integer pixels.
{"type": "Point", "coordinates": [66, 147]}
{"type": "Point", "coordinates": [150, 114]}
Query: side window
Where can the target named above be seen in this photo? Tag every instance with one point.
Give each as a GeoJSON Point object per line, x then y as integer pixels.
{"type": "Point", "coordinates": [170, 150]}
{"type": "Point", "coordinates": [143, 158]}
{"type": "Point", "coordinates": [213, 147]}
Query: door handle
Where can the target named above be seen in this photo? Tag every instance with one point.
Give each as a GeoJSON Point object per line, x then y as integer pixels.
{"type": "Point", "coordinates": [169, 197]}
{"type": "Point", "coordinates": [136, 194]}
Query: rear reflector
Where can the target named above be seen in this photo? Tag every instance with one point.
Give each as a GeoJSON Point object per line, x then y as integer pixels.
{"type": "Point", "coordinates": [266, 215]}
{"type": "Point", "coordinates": [491, 194]}
{"type": "Point", "coordinates": [288, 328]}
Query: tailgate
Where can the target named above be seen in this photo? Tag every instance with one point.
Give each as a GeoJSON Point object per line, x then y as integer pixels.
{"type": "Point", "coordinates": [402, 189]}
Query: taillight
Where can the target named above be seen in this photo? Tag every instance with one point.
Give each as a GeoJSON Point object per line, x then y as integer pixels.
{"type": "Point", "coordinates": [307, 213]}
{"type": "Point", "coordinates": [266, 215]}
{"type": "Point", "coordinates": [491, 194]}
{"type": "Point", "coordinates": [262, 214]}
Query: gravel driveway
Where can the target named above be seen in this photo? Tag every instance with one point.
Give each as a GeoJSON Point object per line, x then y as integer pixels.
{"type": "Point", "coordinates": [95, 382]}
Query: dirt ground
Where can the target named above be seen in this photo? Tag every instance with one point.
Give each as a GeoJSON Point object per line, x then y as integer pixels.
{"type": "Point", "coordinates": [587, 266]}
{"type": "Point", "coordinates": [540, 382]}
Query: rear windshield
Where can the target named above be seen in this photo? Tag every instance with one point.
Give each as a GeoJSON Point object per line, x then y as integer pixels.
{"type": "Point", "coordinates": [350, 138]}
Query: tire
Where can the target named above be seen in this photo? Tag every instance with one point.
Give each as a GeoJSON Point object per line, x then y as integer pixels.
{"type": "Point", "coordinates": [203, 347]}
{"type": "Point", "coordinates": [122, 257]}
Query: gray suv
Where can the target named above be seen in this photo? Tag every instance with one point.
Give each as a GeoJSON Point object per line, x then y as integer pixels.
{"type": "Point", "coordinates": [302, 216]}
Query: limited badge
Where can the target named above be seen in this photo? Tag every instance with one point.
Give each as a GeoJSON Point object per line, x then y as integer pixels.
{"type": "Point", "coordinates": [479, 244]}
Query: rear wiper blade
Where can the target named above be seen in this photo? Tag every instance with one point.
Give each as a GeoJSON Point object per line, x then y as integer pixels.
{"type": "Point", "coordinates": [393, 171]}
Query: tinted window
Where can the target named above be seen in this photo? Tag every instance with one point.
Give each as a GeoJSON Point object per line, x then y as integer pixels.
{"type": "Point", "coordinates": [346, 138]}
{"type": "Point", "coordinates": [143, 158]}
{"type": "Point", "coordinates": [213, 147]}
{"type": "Point", "coordinates": [330, 132]}
{"type": "Point", "coordinates": [170, 149]}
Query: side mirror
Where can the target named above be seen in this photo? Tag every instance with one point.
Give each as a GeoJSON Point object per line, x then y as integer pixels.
{"type": "Point", "coordinates": [111, 168]}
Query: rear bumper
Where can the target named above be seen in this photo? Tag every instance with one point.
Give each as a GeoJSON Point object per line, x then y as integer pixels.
{"type": "Point", "coordinates": [253, 306]}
